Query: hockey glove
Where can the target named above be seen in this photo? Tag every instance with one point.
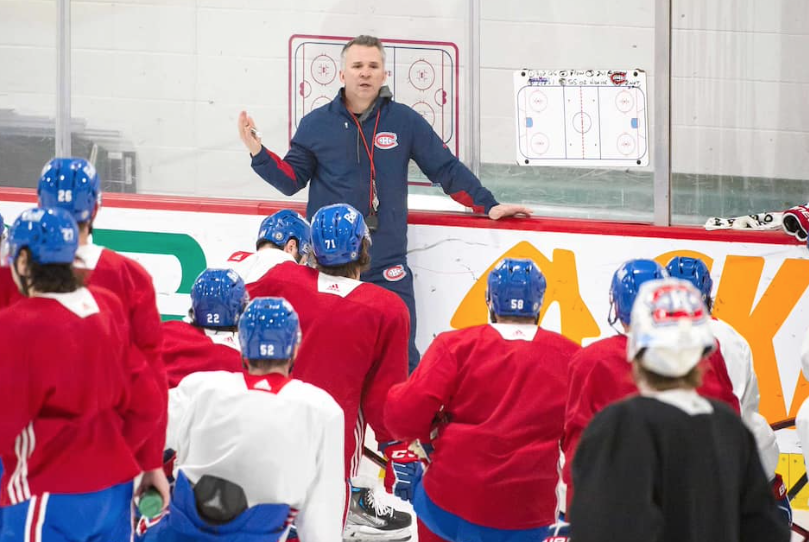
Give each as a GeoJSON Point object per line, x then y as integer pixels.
{"type": "Point", "coordinates": [796, 221]}
{"type": "Point", "coordinates": [779, 493]}
{"type": "Point", "coordinates": [403, 470]}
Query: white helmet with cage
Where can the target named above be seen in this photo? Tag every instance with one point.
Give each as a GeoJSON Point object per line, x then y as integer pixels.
{"type": "Point", "coordinates": [670, 330]}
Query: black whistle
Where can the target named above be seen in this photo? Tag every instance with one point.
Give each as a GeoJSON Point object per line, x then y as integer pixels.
{"type": "Point", "coordinates": [372, 221]}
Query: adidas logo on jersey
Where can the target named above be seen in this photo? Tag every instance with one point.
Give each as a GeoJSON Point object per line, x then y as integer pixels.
{"type": "Point", "coordinates": [333, 287]}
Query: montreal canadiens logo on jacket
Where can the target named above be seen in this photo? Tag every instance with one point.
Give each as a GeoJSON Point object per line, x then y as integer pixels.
{"type": "Point", "coordinates": [392, 274]}
{"type": "Point", "coordinates": [386, 140]}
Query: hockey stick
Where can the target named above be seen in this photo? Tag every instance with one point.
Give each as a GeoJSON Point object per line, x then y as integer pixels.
{"type": "Point", "coordinates": [783, 424]}
{"type": "Point", "coordinates": [377, 459]}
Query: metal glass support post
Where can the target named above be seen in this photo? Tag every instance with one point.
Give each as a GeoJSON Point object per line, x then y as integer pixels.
{"type": "Point", "coordinates": [472, 145]}
{"type": "Point", "coordinates": [63, 79]}
{"type": "Point", "coordinates": [662, 109]}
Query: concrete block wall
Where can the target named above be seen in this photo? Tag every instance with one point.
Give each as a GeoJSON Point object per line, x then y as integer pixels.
{"type": "Point", "coordinates": [172, 75]}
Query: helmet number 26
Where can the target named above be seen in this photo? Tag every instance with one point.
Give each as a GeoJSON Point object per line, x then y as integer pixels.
{"type": "Point", "coordinates": [64, 196]}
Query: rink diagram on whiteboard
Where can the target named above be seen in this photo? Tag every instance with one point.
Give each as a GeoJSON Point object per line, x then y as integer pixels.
{"type": "Point", "coordinates": [421, 74]}
{"type": "Point", "coordinates": [587, 118]}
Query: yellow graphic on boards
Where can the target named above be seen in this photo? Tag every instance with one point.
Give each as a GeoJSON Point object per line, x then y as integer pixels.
{"type": "Point", "coordinates": [736, 292]}
{"type": "Point", "coordinates": [759, 324]}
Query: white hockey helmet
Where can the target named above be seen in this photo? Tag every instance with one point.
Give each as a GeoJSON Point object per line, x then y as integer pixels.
{"type": "Point", "coordinates": [670, 328]}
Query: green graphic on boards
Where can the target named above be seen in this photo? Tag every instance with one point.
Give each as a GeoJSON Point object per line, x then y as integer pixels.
{"type": "Point", "coordinates": [181, 246]}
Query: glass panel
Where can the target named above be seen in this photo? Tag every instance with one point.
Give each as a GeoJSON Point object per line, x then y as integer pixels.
{"type": "Point", "coordinates": [740, 90]}
{"type": "Point", "coordinates": [561, 35]}
{"type": "Point", "coordinates": [162, 83]}
{"type": "Point", "coordinates": [27, 90]}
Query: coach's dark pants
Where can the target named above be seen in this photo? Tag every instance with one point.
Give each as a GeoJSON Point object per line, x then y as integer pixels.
{"type": "Point", "coordinates": [391, 278]}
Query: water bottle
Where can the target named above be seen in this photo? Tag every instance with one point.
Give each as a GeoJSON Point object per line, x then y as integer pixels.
{"type": "Point", "coordinates": [151, 503]}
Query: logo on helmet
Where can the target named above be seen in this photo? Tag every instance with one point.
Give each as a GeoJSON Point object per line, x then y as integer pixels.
{"type": "Point", "coordinates": [674, 302]}
{"type": "Point", "coordinates": [395, 273]}
{"type": "Point", "coordinates": [386, 140]}
{"type": "Point", "coordinates": [350, 217]}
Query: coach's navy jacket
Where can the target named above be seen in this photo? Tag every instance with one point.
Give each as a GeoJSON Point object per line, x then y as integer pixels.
{"type": "Point", "coordinates": [328, 149]}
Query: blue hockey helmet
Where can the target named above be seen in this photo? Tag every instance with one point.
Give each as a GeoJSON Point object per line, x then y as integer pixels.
{"type": "Point", "coordinates": [625, 285]}
{"type": "Point", "coordinates": [269, 329]}
{"type": "Point", "coordinates": [218, 297]}
{"type": "Point", "coordinates": [516, 288]}
{"type": "Point", "coordinates": [280, 227]}
{"type": "Point", "coordinates": [694, 271]}
{"type": "Point", "coordinates": [51, 235]}
{"type": "Point", "coordinates": [337, 234]}
{"type": "Point", "coordinates": [71, 184]}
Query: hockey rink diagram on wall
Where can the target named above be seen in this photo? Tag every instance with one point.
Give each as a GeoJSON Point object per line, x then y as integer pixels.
{"type": "Point", "coordinates": [581, 118]}
{"type": "Point", "coordinates": [421, 74]}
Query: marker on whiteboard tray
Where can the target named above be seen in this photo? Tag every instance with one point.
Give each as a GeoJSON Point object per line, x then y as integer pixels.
{"type": "Point", "coordinates": [258, 134]}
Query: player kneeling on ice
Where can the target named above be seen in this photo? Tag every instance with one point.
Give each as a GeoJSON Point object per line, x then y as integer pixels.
{"type": "Point", "coordinates": [77, 400]}
{"type": "Point", "coordinates": [670, 465]}
{"type": "Point", "coordinates": [739, 361]}
{"type": "Point", "coordinates": [255, 450]}
{"type": "Point", "coordinates": [208, 340]}
{"type": "Point", "coordinates": [498, 391]}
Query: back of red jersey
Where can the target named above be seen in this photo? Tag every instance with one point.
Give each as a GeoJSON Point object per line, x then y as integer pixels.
{"type": "Point", "coordinates": [188, 349]}
{"type": "Point", "coordinates": [68, 376]}
{"type": "Point", "coordinates": [501, 390]}
{"type": "Point", "coordinates": [133, 285]}
{"type": "Point", "coordinates": [354, 343]}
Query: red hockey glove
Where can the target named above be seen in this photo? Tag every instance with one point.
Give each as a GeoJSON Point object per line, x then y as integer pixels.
{"type": "Point", "coordinates": [796, 221]}
{"type": "Point", "coordinates": [779, 493]}
{"type": "Point", "coordinates": [403, 471]}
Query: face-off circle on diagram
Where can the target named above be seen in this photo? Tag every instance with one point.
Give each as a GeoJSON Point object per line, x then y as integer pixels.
{"type": "Point", "coordinates": [624, 102]}
{"type": "Point", "coordinates": [626, 144]}
{"type": "Point", "coordinates": [324, 69]}
{"type": "Point", "coordinates": [305, 89]}
{"type": "Point", "coordinates": [540, 143]}
{"type": "Point", "coordinates": [425, 110]}
{"type": "Point", "coordinates": [421, 75]}
{"type": "Point", "coordinates": [441, 97]}
{"type": "Point", "coordinates": [582, 122]}
{"type": "Point", "coordinates": [320, 100]}
{"type": "Point", "coordinates": [538, 101]}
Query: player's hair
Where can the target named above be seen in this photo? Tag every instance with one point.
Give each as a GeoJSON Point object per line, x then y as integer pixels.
{"type": "Point", "coordinates": [261, 243]}
{"type": "Point", "coordinates": [691, 379]}
{"type": "Point", "coordinates": [364, 41]}
{"type": "Point", "coordinates": [363, 263]}
{"type": "Point", "coordinates": [266, 365]}
{"type": "Point", "coordinates": [54, 278]}
{"type": "Point", "coordinates": [502, 319]}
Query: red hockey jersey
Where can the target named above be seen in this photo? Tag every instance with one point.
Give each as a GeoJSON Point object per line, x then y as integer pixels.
{"type": "Point", "coordinates": [188, 349]}
{"type": "Point", "coordinates": [77, 400]}
{"type": "Point", "coordinates": [9, 293]}
{"type": "Point", "coordinates": [354, 344]}
{"type": "Point", "coordinates": [500, 391]}
{"type": "Point", "coordinates": [133, 285]}
{"type": "Point", "coordinates": [601, 375]}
